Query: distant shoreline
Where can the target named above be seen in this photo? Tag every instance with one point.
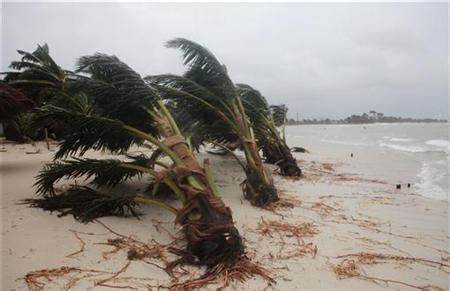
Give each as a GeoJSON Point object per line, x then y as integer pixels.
{"type": "Point", "coordinates": [366, 118]}
{"type": "Point", "coordinates": [346, 123]}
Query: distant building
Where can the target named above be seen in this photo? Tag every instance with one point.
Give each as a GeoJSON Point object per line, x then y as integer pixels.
{"type": "Point", "coordinates": [373, 115]}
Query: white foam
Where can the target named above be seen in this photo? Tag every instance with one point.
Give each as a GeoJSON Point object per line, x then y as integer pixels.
{"type": "Point", "coordinates": [439, 143]}
{"type": "Point", "coordinates": [403, 148]}
{"type": "Point", "coordinates": [429, 176]}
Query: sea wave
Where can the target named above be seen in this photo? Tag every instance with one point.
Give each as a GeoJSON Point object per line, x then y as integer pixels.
{"type": "Point", "coordinates": [439, 143]}
{"type": "Point", "coordinates": [431, 175]}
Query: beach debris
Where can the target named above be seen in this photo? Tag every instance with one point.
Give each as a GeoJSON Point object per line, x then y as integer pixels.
{"type": "Point", "coordinates": [290, 237]}
{"type": "Point", "coordinates": [243, 270]}
{"type": "Point", "coordinates": [37, 151]}
{"type": "Point", "coordinates": [286, 201]}
{"type": "Point", "coordinates": [37, 280]}
{"type": "Point", "coordinates": [299, 150]}
{"type": "Point", "coordinates": [83, 244]}
{"type": "Point", "coordinates": [328, 166]}
{"type": "Point", "coordinates": [323, 209]}
{"type": "Point", "coordinates": [352, 266]}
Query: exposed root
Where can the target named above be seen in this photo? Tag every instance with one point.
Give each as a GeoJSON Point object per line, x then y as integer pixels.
{"type": "Point", "coordinates": [224, 275]}
{"type": "Point", "coordinates": [352, 267]}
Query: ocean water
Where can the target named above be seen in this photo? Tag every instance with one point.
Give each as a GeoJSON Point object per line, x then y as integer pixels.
{"type": "Point", "coordinates": [416, 153]}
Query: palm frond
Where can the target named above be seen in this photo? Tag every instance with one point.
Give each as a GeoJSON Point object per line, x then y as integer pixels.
{"type": "Point", "coordinates": [35, 72]}
{"type": "Point", "coordinates": [200, 113]}
{"type": "Point", "coordinates": [107, 172]}
{"type": "Point", "coordinates": [84, 132]}
{"type": "Point", "coordinates": [87, 204]}
{"type": "Point", "coordinates": [204, 68]}
{"type": "Point", "coordinates": [117, 91]}
{"type": "Point", "coordinates": [279, 114]}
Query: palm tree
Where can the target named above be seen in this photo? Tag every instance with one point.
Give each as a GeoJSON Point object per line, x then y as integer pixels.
{"type": "Point", "coordinates": [208, 104]}
{"type": "Point", "coordinates": [265, 119]}
{"type": "Point", "coordinates": [113, 109]}
{"type": "Point", "coordinates": [39, 78]}
{"type": "Point", "coordinates": [35, 72]}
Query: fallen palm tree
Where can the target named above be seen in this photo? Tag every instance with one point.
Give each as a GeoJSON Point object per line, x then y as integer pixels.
{"type": "Point", "coordinates": [121, 110]}
{"type": "Point", "coordinates": [207, 103]}
{"type": "Point", "coordinates": [264, 120]}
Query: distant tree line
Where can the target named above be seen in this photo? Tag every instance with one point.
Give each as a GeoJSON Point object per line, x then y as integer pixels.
{"type": "Point", "coordinates": [371, 117]}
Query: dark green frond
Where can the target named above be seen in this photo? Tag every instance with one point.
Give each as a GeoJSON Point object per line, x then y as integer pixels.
{"type": "Point", "coordinates": [279, 114]}
{"type": "Point", "coordinates": [84, 132]}
{"type": "Point", "coordinates": [204, 68]}
{"type": "Point", "coordinates": [117, 90]}
{"type": "Point", "coordinates": [86, 204]}
{"type": "Point", "coordinates": [35, 72]}
{"type": "Point", "coordinates": [196, 109]}
{"type": "Point", "coordinates": [255, 104]}
{"type": "Point", "coordinates": [108, 172]}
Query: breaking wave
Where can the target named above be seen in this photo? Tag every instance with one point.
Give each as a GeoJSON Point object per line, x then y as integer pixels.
{"type": "Point", "coordinates": [431, 176]}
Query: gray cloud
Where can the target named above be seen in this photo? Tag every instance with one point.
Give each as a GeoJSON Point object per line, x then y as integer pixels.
{"type": "Point", "coordinates": [322, 60]}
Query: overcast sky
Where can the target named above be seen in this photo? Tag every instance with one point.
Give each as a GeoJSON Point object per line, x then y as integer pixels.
{"type": "Point", "coordinates": [322, 60]}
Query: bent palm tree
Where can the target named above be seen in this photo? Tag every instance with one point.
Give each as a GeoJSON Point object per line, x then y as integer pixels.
{"type": "Point", "coordinates": [123, 111]}
{"type": "Point", "coordinates": [265, 119]}
{"type": "Point", "coordinates": [38, 76]}
{"type": "Point", "coordinates": [208, 103]}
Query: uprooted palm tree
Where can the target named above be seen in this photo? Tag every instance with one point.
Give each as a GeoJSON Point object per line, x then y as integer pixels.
{"type": "Point", "coordinates": [208, 104]}
{"type": "Point", "coordinates": [265, 119]}
{"type": "Point", "coordinates": [113, 109]}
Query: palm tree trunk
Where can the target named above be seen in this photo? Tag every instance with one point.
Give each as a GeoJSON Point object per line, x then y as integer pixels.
{"type": "Point", "coordinates": [279, 154]}
{"type": "Point", "coordinates": [207, 223]}
{"type": "Point", "coordinates": [258, 187]}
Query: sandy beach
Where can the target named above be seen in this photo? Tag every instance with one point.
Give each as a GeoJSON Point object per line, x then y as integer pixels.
{"type": "Point", "coordinates": [332, 230]}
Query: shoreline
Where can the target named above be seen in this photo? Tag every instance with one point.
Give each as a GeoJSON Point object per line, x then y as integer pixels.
{"type": "Point", "coordinates": [352, 226]}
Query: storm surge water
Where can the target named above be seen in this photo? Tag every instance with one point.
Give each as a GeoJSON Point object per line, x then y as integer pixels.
{"type": "Point", "coordinates": [415, 153]}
